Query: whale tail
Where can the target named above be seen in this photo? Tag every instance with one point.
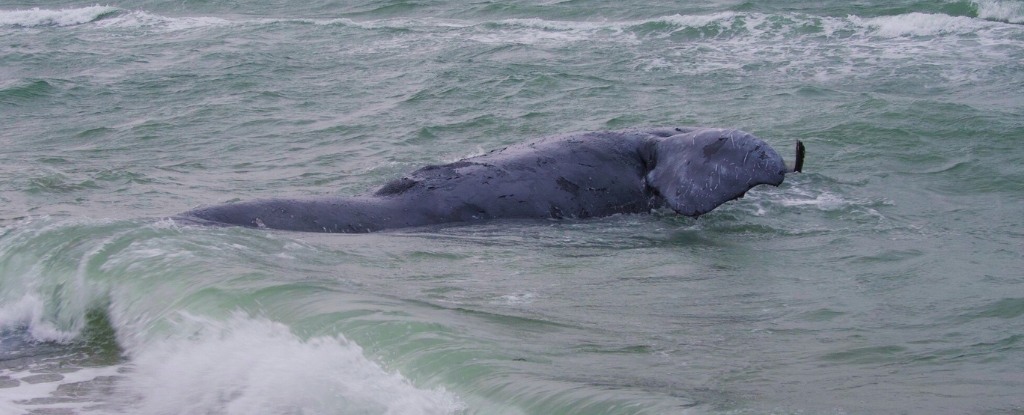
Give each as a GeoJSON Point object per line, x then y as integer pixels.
{"type": "Point", "coordinates": [798, 162]}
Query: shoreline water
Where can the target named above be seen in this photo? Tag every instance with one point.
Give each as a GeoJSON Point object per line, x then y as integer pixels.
{"type": "Point", "coordinates": [884, 279]}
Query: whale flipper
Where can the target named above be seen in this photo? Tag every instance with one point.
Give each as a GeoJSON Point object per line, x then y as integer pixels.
{"type": "Point", "coordinates": [798, 160]}
{"type": "Point", "coordinates": [699, 170]}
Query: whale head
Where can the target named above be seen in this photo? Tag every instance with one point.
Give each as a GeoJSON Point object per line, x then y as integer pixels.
{"type": "Point", "coordinates": [698, 170]}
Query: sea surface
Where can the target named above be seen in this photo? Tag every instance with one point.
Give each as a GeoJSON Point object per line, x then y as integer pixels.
{"type": "Point", "coordinates": [888, 278]}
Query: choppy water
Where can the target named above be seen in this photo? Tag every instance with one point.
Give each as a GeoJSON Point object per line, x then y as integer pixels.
{"type": "Point", "coordinates": [888, 278]}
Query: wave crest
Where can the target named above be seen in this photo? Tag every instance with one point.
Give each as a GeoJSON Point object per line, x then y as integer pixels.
{"type": "Point", "coordinates": [1004, 11]}
{"type": "Point", "coordinates": [64, 17]}
{"type": "Point", "coordinates": [254, 366]}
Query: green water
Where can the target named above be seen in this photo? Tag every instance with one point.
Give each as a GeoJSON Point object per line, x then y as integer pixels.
{"type": "Point", "coordinates": [887, 278]}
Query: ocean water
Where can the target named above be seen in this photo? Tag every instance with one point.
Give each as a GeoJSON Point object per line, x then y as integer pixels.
{"type": "Point", "coordinates": [888, 278]}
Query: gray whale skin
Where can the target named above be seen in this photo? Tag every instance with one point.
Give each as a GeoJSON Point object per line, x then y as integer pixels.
{"type": "Point", "coordinates": [579, 175]}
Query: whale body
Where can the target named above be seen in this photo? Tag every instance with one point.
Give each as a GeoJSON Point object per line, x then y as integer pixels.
{"type": "Point", "coordinates": [578, 175]}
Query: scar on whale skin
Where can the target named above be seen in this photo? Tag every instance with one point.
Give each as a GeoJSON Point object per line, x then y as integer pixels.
{"type": "Point", "coordinates": [578, 175]}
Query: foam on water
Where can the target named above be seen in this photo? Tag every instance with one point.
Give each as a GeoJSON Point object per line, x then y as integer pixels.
{"type": "Point", "coordinates": [53, 274]}
{"type": "Point", "coordinates": [730, 30]}
{"type": "Point", "coordinates": [821, 48]}
{"type": "Point", "coordinates": [63, 17]}
{"type": "Point", "coordinates": [537, 31]}
{"type": "Point", "coordinates": [141, 19]}
{"type": "Point", "coordinates": [50, 304]}
{"type": "Point", "coordinates": [919, 24]}
{"type": "Point", "coordinates": [1011, 11]}
{"type": "Point", "coordinates": [238, 365]}
{"type": "Point", "coordinates": [255, 366]}
{"type": "Point", "coordinates": [109, 17]}
{"type": "Point", "coordinates": [29, 312]}
{"type": "Point", "coordinates": [683, 21]}
{"type": "Point", "coordinates": [824, 201]}
{"type": "Point", "coordinates": [36, 393]}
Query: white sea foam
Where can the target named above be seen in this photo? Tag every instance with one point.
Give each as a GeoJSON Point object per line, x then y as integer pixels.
{"type": "Point", "coordinates": [109, 17]}
{"type": "Point", "coordinates": [918, 24]}
{"type": "Point", "coordinates": [815, 46]}
{"type": "Point", "coordinates": [533, 31]}
{"type": "Point", "coordinates": [29, 312]}
{"type": "Point", "coordinates": [830, 202]}
{"type": "Point", "coordinates": [244, 365]}
{"type": "Point", "coordinates": [44, 17]}
{"type": "Point", "coordinates": [37, 396]}
{"type": "Point", "coordinates": [393, 23]}
{"type": "Point", "coordinates": [1001, 10]}
{"type": "Point", "coordinates": [722, 26]}
{"type": "Point", "coordinates": [823, 201]}
{"type": "Point", "coordinates": [557, 24]}
{"type": "Point", "coordinates": [700, 20]}
{"type": "Point", "coordinates": [25, 286]}
{"type": "Point", "coordinates": [141, 19]}
{"type": "Point", "coordinates": [255, 366]}
{"type": "Point", "coordinates": [539, 31]}
{"type": "Point", "coordinates": [753, 25]}
{"type": "Point", "coordinates": [45, 284]}
{"type": "Point", "coordinates": [797, 25]}
{"type": "Point", "coordinates": [796, 44]}
{"type": "Point", "coordinates": [516, 299]}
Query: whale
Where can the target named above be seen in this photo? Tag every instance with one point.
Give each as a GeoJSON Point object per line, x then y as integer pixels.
{"type": "Point", "coordinates": [691, 170]}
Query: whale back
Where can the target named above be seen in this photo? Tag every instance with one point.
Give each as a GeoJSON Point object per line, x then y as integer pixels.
{"type": "Point", "coordinates": [692, 170]}
{"type": "Point", "coordinates": [698, 170]}
{"type": "Point", "coordinates": [564, 176]}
